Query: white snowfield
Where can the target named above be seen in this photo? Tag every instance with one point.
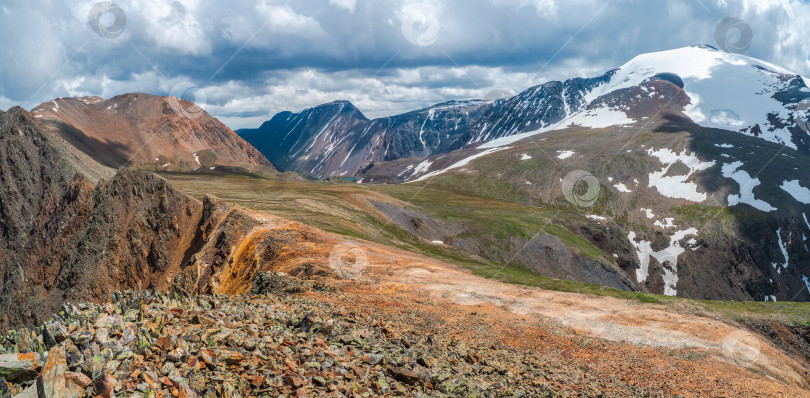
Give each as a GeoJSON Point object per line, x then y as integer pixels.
{"type": "Point", "coordinates": [601, 117]}
{"type": "Point", "coordinates": [621, 187]}
{"type": "Point", "coordinates": [422, 167]}
{"type": "Point", "coordinates": [565, 154]}
{"type": "Point", "coordinates": [460, 163]}
{"type": "Point", "coordinates": [669, 222]}
{"type": "Point", "coordinates": [594, 118]}
{"type": "Point", "coordinates": [727, 91]}
{"type": "Point", "coordinates": [783, 248]}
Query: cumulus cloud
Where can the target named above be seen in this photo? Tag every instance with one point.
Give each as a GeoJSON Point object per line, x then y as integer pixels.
{"type": "Point", "coordinates": [255, 58]}
{"type": "Point", "coordinates": [175, 26]}
{"type": "Point", "coordinates": [346, 4]}
{"type": "Point", "coordinates": [283, 20]}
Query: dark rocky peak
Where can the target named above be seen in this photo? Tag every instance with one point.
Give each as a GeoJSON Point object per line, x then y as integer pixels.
{"type": "Point", "coordinates": [670, 77]}
{"type": "Point", "coordinates": [15, 117]}
{"type": "Point", "coordinates": [341, 107]}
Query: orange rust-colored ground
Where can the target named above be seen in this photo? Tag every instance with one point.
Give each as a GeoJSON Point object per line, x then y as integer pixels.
{"type": "Point", "coordinates": [585, 344]}
{"type": "Point", "coordinates": [574, 364]}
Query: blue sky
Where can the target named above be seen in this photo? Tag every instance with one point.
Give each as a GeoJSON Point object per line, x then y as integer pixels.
{"type": "Point", "coordinates": [248, 60]}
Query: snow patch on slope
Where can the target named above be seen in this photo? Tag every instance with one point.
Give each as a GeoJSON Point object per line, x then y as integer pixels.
{"type": "Point", "coordinates": [621, 187]}
{"type": "Point", "coordinates": [677, 187]}
{"type": "Point", "coordinates": [592, 118]}
{"type": "Point", "coordinates": [747, 185]}
{"type": "Point", "coordinates": [669, 223]}
{"type": "Point", "coordinates": [783, 247]}
{"type": "Point", "coordinates": [600, 118]}
{"type": "Point", "coordinates": [798, 192]}
{"type": "Point", "coordinates": [461, 163]}
{"type": "Point", "coordinates": [670, 254]}
{"type": "Point", "coordinates": [422, 167]}
{"type": "Point", "coordinates": [565, 154]}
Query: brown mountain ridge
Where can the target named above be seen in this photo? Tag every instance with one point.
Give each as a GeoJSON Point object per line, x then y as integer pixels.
{"type": "Point", "coordinates": [148, 132]}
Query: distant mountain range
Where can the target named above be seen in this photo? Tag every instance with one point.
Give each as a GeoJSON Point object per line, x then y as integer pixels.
{"type": "Point", "coordinates": [723, 90]}
{"type": "Point", "coordinates": [336, 139]}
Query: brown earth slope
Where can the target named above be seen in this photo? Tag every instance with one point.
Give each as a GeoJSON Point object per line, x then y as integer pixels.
{"type": "Point", "coordinates": [160, 133]}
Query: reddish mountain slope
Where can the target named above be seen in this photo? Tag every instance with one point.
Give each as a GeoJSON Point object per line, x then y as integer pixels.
{"type": "Point", "coordinates": [147, 131]}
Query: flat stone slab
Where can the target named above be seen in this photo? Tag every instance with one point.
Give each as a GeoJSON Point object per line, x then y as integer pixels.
{"type": "Point", "coordinates": [18, 368]}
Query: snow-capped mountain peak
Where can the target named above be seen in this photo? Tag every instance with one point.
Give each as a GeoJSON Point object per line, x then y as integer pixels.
{"type": "Point", "coordinates": [728, 91]}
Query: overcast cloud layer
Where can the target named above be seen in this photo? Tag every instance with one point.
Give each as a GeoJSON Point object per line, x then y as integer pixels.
{"type": "Point", "coordinates": [252, 59]}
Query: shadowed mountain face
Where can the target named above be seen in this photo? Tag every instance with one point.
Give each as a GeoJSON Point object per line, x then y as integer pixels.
{"type": "Point", "coordinates": [65, 237]}
{"type": "Point", "coordinates": [147, 131]}
{"type": "Point", "coordinates": [337, 140]}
